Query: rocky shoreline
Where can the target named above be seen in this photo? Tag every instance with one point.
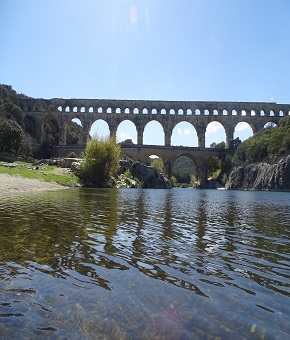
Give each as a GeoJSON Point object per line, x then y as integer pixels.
{"type": "Point", "coordinates": [261, 176]}
{"type": "Point", "coordinates": [130, 175]}
{"type": "Point", "coordinates": [10, 184]}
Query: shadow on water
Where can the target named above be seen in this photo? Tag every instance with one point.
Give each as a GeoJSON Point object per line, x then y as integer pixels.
{"type": "Point", "coordinates": [145, 263]}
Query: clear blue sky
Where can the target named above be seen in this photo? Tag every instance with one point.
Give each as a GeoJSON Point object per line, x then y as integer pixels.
{"type": "Point", "coordinates": [215, 50]}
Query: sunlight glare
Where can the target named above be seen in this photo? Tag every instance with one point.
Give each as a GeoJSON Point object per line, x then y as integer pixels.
{"type": "Point", "coordinates": [133, 14]}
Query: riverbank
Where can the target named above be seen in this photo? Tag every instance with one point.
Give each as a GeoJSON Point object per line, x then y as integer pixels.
{"type": "Point", "coordinates": [262, 175]}
{"type": "Point", "coordinates": [10, 184]}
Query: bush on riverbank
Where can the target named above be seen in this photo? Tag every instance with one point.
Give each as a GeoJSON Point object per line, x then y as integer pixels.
{"type": "Point", "coordinates": [101, 161]}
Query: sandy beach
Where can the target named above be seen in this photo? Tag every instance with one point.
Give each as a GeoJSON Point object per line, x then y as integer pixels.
{"type": "Point", "coordinates": [16, 184]}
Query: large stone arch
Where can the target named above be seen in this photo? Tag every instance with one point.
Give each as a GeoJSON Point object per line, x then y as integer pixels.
{"type": "Point", "coordinates": [238, 128]}
{"type": "Point", "coordinates": [212, 125]}
{"type": "Point", "coordinates": [129, 127]}
{"type": "Point", "coordinates": [191, 157]}
{"type": "Point", "coordinates": [74, 115]}
{"type": "Point", "coordinates": [146, 127]}
{"type": "Point", "coordinates": [92, 126]}
{"type": "Point", "coordinates": [201, 164]}
{"type": "Point", "coordinates": [82, 138]}
{"type": "Point", "coordinates": [180, 124]}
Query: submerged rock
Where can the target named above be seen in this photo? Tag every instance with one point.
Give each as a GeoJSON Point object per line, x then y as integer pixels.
{"type": "Point", "coordinates": [261, 176]}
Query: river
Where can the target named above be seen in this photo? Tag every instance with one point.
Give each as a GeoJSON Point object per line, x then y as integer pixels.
{"type": "Point", "coordinates": [145, 264]}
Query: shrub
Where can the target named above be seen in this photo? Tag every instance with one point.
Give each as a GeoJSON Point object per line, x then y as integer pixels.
{"type": "Point", "coordinates": [101, 161]}
{"type": "Point", "coordinates": [173, 181]}
{"type": "Point", "coordinates": [128, 174]}
{"type": "Point", "coordinates": [193, 180]}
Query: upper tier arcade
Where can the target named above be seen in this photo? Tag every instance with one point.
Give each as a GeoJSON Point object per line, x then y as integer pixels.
{"type": "Point", "coordinates": [140, 112]}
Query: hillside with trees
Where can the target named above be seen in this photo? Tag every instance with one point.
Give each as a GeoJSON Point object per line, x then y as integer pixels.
{"type": "Point", "coordinates": [14, 137]}
{"type": "Point", "coordinates": [269, 143]}
{"type": "Point", "coordinates": [262, 162]}
{"type": "Point", "coordinates": [17, 135]}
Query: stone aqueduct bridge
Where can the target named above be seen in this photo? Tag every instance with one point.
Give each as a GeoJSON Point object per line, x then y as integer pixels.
{"type": "Point", "coordinates": [141, 112]}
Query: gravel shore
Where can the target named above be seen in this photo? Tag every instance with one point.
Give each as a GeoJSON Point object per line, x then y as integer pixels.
{"type": "Point", "coordinates": [17, 184]}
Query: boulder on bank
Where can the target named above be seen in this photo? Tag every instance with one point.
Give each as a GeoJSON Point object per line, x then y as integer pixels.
{"type": "Point", "coordinates": [61, 162]}
{"type": "Point", "coordinates": [149, 176]}
{"type": "Point", "coordinates": [261, 176]}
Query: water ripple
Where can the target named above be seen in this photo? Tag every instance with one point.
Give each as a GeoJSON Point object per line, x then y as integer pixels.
{"type": "Point", "coordinates": [114, 260]}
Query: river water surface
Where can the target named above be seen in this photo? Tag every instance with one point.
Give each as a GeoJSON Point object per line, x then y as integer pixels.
{"type": "Point", "coordinates": [145, 264]}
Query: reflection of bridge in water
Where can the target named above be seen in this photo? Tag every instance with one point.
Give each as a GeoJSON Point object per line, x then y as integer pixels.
{"type": "Point", "coordinates": [141, 112]}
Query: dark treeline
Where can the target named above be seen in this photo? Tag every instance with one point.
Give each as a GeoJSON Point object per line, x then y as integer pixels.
{"type": "Point", "coordinates": [17, 132]}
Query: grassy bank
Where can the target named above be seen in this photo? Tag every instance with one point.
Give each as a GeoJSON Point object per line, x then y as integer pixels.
{"type": "Point", "coordinates": [47, 173]}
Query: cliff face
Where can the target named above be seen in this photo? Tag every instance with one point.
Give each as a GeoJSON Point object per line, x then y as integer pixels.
{"type": "Point", "coordinates": [261, 176]}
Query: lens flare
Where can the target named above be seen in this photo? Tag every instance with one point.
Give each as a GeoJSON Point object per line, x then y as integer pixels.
{"type": "Point", "coordinates": [133, 14]}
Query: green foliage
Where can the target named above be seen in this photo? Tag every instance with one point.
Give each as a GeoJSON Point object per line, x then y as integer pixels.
{"type": "Point", "coordinates": [221, 145]}
{"type": "Point", "coordinates": [46, 173]}
{"type": "Point", "coordinates": [74, 134]}
{"type": "Point", "coordinates": [11, 135]}
{"type": "Point", "coordinates": [173, 181]}
{"type": "Point", "coordinates": [158, 164]}
{"type": "Point", "coordinates": [269, 142]}
{"type": "Point", "coordinates": [51, 129]}
{"type": "Point", "coordinates": [215, 167]}
{"type": "Point", "coordinates": [128, 177]}
{"type": "Point", "coordinates": [128, 174]}
{"type": "Point", "coordinates": [101, 161]}
{"type": "Point", "coordinates": [285, 122]}
{"type": "Point", "coordinates": [8, 110]}
{"type": "Point", "coordinates": [224, 178]}
{"type": "Point", "coordinates": [6, 91]}
{"type": "Point", "coordinates": [9, 104]}
{"type": "Point", "coordinates": [183, 168]}
{"type": "Point", "coordinates": [216, 174]}
{"type": "Point", "coordinates": [193, 180]}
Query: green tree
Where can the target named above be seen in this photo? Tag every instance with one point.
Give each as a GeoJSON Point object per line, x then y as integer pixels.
{"type": "Point", "coordinates": [74, 134]}
{"type": "Point", "coordinates": [158, 164]}
{"type": "Point", "coordinates": [101, 161]}
{"type": "Point", "coordinates": [11, 135]}
{"type": "Point", "coordinates": [51, 129]}
{"type": "Point", "coordinates": [8, 110]}
{"type": "Point", "coordinates": [285, 122]}
{"type": "Point", "coordinates": [215, 167]}
{"type": "Point", "coordinates": [221, 145]}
